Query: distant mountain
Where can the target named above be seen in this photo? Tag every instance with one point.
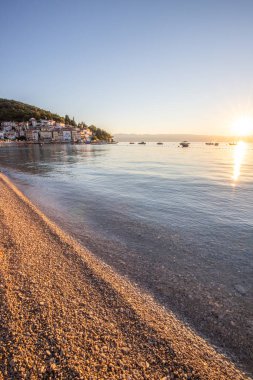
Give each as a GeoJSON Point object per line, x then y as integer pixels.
{"type": "Point", "coordinates": [11, 110]}
{"type": "Point", "coordinates": [124, 137]}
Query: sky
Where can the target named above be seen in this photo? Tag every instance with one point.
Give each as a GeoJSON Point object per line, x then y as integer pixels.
{"type": "Point", "coordinates": [132, 66]}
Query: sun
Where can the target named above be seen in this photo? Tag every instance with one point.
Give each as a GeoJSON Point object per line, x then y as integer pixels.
{"type": "Point", "coordinates": [243, 126]}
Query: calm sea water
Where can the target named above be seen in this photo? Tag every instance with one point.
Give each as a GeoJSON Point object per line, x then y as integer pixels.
{"type": "Point", "coordinates": [178, 222]}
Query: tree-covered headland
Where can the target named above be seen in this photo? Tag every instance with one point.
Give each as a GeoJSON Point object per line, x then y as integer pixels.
{"type": "Point", "coordinates": [12, 110]}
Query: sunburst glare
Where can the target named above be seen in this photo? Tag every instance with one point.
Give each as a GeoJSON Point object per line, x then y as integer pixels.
{"type": "Point", "coordinates": [243, 126]}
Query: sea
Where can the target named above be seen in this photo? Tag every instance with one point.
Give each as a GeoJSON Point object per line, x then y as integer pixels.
{"type": "Point", "coordinates": [177, 222]}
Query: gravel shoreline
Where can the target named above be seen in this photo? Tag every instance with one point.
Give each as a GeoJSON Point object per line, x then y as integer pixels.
{"type": "Point", "coordinates": [66, 315]}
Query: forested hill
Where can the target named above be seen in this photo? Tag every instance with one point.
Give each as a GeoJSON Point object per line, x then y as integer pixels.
{"type": "Point", "coordinates": [11, 110]}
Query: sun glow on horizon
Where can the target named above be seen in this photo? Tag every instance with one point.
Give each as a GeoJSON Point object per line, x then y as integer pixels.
{"type": "Point", "coordinates": [243, 126]}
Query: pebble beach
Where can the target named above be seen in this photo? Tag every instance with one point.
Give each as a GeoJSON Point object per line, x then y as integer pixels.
{"type": "Point", "coordinates": [67, 315]}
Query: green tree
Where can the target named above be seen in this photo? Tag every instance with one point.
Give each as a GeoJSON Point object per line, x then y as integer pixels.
{"type": "Point", "coordinates": [72, 122]}
{"type": "Point", "coordinates": [67, 119]}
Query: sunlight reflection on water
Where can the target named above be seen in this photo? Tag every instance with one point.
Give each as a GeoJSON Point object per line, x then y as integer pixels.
{"type": "Point", "coordinates": [239, 157]}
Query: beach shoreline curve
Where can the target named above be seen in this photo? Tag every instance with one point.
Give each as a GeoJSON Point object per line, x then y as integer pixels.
{"type": "Point", "coordinates": [67, 314]}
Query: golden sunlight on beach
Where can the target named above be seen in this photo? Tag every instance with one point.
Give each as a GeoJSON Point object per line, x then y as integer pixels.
{"type": "Point", "coordinates": [243, 126]}
{"type": "Point", "coordinates": [239, 155]}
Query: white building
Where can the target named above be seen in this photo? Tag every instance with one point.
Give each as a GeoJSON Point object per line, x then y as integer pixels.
{"type": "Point", "coordinates": [66, 136]}
{"type": "Point", "coordinates": [12, 135]}
{"type": "Point", "coordinates": [76, 135]}
{"type": "Point", "coordinates": [33, 122]}
{"type": "Point", "coordinates": [8, 124]}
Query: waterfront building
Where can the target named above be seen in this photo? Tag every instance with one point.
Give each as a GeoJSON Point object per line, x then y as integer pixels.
{"type": "Point", "coordinates": [32, 135]}
{"type": "Point", "coordinates": [45, 131]}
{"type": "Point", "coordinates": [56, 135]}
{"type": "Point", "coordinates": [65, 135]}
{"type": "Point", "coordinates": [86, 135]}
{"type": "Point", "coordinates": [11, 135]}
{"type": "Point", "coordinates": [46, 135]}
{"type": "Point", "coordinates": [76, 135]}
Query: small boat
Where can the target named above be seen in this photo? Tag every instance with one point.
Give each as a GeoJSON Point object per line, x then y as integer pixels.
{"type": "Point", "coordinates": [160, 143]}
{"type": "Point", "coordinates": [142, 143]}
{"type": "Point", "coordinates": [131, 143]}
{"type": "Point", "coordinates": [209, 143]}
{"type": "Point", "coordinates": [184, 144]}
{"type": "Point", "coordinates": [216, 144]}
{"type": "Point", "coordinates": [232, 143]}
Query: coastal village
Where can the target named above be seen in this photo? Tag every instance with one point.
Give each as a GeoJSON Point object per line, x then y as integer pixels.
{"type": "Point", "coordinates": [49, 131]}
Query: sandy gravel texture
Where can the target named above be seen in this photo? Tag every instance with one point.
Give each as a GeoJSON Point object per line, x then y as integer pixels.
{"type": "Point", "coordinates": [66, 315]}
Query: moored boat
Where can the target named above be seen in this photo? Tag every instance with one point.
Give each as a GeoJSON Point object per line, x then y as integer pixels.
{"type": "Point", "coordinates": [184, 144]}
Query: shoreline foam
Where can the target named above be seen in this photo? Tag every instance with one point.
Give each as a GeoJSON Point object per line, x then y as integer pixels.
{"type": "Point", "coordinates": [69, 315]}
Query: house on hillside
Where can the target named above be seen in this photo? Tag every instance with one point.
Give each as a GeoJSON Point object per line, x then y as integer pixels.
{"type": "Point", "coordinates": [8, 125]}
{"type": "Point", "coordinates": [33, 122]}
{"type": "Point", "coordinates": [86, 135]}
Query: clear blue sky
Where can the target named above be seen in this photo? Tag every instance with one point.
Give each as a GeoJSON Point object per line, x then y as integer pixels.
{"type": "Point", "coordinates": [161, 66]}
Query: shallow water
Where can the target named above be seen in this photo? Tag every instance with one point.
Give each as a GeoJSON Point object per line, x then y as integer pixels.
{"type": "Point", "coordinates": [179, 222]}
